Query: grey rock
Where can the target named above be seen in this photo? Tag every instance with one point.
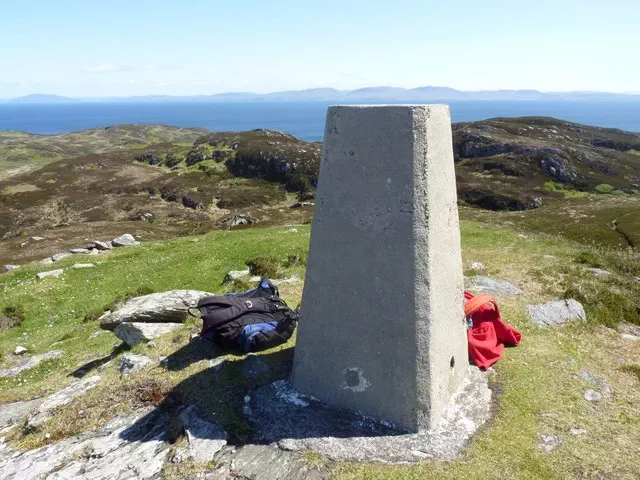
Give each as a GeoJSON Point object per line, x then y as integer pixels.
{"type": "Point", "coordinates": [598, 272]}
{"type": "Point", "coordinates": [61, 398]}
{"type": "Point", "coordinates": [234, 275]}
{"type": "Point", "coordinates": [133, 333]}
{"type": "Point", "coordinates": [628, 336]}
{"type": "Point", "coordinates": [592, 396]}
{"type": "Point", "coordinates": [217, 364]}
{"type": "Point", "coordinates": [80, 251]}
{"type": "Point", "coordinates": [492, 286]}
{"type": "Point", "coordinates": [253, 366]}
{"type": "Point", "coordinates": [590, 377]}
{"type": "Point", "coordinates": [20, 350]}
{"type": "Point", "coordinates": [10, 268]}
{"type": "Point", "coordinates": [94, 251]}
{"type": "Point", "coordinates": [163, 307]}
{"type": "Point", "coordinates": [46, 261]}
{"type": "Point", "coordinates": [83, 265]}
{"type": "Point", "coordinates": [299, 423]}
{"type": "Point", "coordinates": [302, 204]}
{"type": "Point", "coordinates": [550, 442]}
{"type": "Point", "coordinates": [130, 363]}
{"type": "Point", "coordinates": [29, 363]}
{"type": "Point", "coordinates": [556, 313]}
{"type": "Point", "coordinates": [263, 462]}
{"type": "Point", "coordinates": [102, 245]}
{"type": "Point", "coordinates": [50, 273]}
{"type": "Point", "coordinates": [13, 413]}
{"type": "Point", "coordinates": [476, 267]}
{"type": "Point", "coordinates": [126, 448]}
{"type": "Point", "coordinates": [578, 431]}
{"type": "Point", "coordinates": [125, 240]}
{"type": "Point", "coordinates": [236, 220]}
{"type": "Point", "coordinates": [60, 256]}
{"type": "Point", "coordinates": [37, 239]}
{"type": "Point", "coordinates": [205, 438]}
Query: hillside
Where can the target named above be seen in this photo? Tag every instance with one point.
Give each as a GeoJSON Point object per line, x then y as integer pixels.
{"type": "Point", "coordinates": [20, 151]}
{"type": "Point", "coordinates": [542, 174]}
{"type": "Point", "coordinates": [543, 425]}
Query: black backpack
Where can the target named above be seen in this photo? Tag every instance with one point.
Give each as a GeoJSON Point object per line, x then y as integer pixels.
{"type": "Point", "coordinates": [253, 320]}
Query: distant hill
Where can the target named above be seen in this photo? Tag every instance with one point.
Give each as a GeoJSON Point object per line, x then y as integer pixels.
{"type": "Point", "coordinates": [368, 94]}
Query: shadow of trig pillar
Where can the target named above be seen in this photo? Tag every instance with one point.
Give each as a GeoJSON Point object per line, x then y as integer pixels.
{"type": "Point", "coordinates": [382, 327]}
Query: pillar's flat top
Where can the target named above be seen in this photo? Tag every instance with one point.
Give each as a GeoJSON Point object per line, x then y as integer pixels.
{"type": "Point", "coordinates": [393, 105]}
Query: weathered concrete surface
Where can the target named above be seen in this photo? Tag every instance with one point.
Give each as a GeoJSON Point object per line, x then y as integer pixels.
{"type": "Point", "coordinates": [556, 313]}
{"type": "Point", "coordinates": [162, 307]}
{"type": "Point", "coordinates": [382, 325]}
{"type": "Point", "coordinates": [298, 422]}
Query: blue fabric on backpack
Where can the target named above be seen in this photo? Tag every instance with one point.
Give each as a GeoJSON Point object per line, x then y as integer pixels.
{"type": "Point", "coordinates": [251, 331]}
{"type": "Point", "coordinates": [264, 284]}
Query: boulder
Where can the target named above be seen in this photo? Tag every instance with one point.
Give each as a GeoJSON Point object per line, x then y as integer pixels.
{"type": "Point", "coordinates": [236, 220]}
{"type": "Point", "coordinates": [205, 438]}
{"type": "Point", "coordinates": [102, 245]}
{"type": "Point", "coordinates": [46, 261]}
{"type": "Point", "coordinates": [50, 273]}
{"type": "Point", "coordinates": [135, 333]}
{"type": "Point", "coordinates": [476, 267]}
{"type": "Point", "coordinates": [302, 204]}
{"type": "Point", "coordinates": [60, 256]}
{"type": "Point", "coordinates": [29, 363]}
{"type": "Point", "coordinates": [556, 313]}
{"type": "Point", "coordinates": [20, 350]}
{"type": "Point", "coordinates": [234, 275]}
{"type": "Point", "coordinates": [130, 363]}
{"type": "Point", "coordinates": [80, 251]}
{"type": "Point", "coordinates": [83, 265]}
{"type": "Point", "coordinates": [492, 286]}
{"type": "Point", "coordinates": [9, 268]}
{"type": "Point", "coordinates": [125, 240]}
{"type": "Point", "coordinates": [163, 307]}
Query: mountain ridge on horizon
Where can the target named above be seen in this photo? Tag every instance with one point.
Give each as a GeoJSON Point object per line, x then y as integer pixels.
{"type": "Point", "coordinates": [377, 93]}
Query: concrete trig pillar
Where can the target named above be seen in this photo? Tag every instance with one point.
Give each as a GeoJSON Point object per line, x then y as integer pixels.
{"type": "Point", "coordinates": [382, 326]}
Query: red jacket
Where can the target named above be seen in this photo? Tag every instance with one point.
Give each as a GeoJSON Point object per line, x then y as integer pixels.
{"type": "Point", "coordinates": [488, 334]}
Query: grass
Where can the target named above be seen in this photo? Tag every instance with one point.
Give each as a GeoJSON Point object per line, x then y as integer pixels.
{"type": "Point", "coordinates": [538, 389]}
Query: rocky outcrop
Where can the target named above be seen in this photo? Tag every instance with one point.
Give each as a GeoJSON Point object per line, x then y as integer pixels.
{"type": "Point", "coordinates": [30, 363]}
{"type": "Point", "coordinates": [163, 307]}
{"type": "Point", "coordinates": [130, 363]}
{"type": "Point", "coordinates": [236, 220]}
{"type": "Point", "coordinates": [133, 333]}
{"type": "Point", "coordinates": [492, 286]}
{"type": "Point", "coordinates": [205, 438]}
{"type": "Point", "coordinates": [553, 314]}
{"type": "Point", "coordinates": [125, 240]}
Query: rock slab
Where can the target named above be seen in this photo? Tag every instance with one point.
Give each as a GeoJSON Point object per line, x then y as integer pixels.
{"type": "Point", "coordinates": [50, 273]}
{"type": "Point", "coordinates": [133, 333]}
{"type": "Point", "coordinates": [163, 307]}
{"type": "Point", "coordinates": [382, 324]}
{"type": "Point", "coordinates": [553, 314]}
{"type": "Point", "coordinates": [30, 363]}
{"type": "Point", "coordinates": [130, 363]}
{"type": "Point", "coordinates": [492, 286]}
{"type": "Point", "coordinates": [205, 438]}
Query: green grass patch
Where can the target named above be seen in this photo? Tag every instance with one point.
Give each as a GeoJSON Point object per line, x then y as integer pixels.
{"type": "Point", "coordinates": [604, 188]}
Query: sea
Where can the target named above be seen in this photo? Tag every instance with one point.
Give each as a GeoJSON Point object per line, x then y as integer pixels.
{"type": "Point", "coordinates": [303, 119]}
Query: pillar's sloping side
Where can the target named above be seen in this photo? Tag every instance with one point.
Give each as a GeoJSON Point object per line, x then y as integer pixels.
{"type": "Point", "coordinates": [382, 326]}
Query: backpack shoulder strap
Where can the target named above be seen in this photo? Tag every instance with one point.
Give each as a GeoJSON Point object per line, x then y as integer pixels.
{"type": "Point", "coordinates": [473, 304]}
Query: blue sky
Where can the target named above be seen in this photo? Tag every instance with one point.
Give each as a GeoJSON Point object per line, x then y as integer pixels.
{"type": "Point", "coordinates": [141, 47]}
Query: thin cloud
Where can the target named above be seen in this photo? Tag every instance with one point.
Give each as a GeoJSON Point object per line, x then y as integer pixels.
{"type": "Point", "coordinates": [109, 68]}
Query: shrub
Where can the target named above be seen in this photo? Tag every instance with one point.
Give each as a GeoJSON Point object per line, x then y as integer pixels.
{"type": "Point", "coordinates": [617, 192]}
{"type": "Point", "coordinates": [549, 187]}
{"type": "Point", "coordinates": [264, 267]}
{"type": "Point", "coordinates": [11, 316]}
{"type": "Point", "coordinates": [588, 258]}
{"type": "Point", "coordinates": [604, 188]}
